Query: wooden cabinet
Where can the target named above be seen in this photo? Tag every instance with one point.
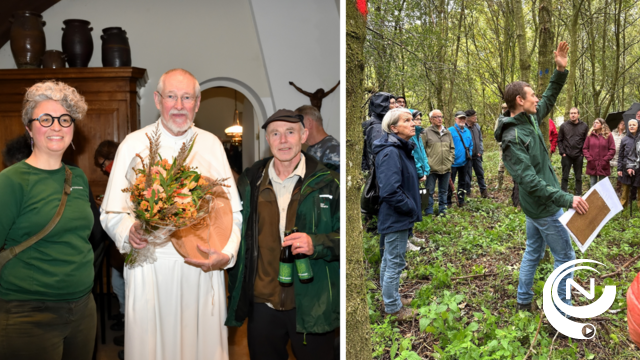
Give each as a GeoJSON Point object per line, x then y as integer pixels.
{"type": "Point", "coordinates": [114, 111]}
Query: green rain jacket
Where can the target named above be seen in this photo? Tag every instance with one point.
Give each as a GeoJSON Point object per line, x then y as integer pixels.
{"type": "Point", "coordinates": [527, 159]}
{"type": "Point", "coordinates": [318, 215]}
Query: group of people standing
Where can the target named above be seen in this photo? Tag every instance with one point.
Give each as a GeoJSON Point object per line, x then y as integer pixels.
{"type": "Point", "coordinates": [174, 308]}
{"type": "Point", "coordinates": [403, 156]}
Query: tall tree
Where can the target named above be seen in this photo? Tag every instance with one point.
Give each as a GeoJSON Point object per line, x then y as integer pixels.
{"type": "Point", "coordinates": [545, 56]}
{"type": "Point", "coordinates": [521, 36]}
{"type": "Point", "coordinates": [359, 345]}
{"type": "Point", "coordinates": [573, 55]}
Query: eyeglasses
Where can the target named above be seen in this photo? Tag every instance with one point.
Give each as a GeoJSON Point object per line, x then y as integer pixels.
{"type": "Point", "coordinates": [172, 99]}
{"type": "Point", "coordinates": [436, 117]}
{"type": "Point", "coordinates": [103, 164]}
{"type": "Point", "coordinates": [46, 120]}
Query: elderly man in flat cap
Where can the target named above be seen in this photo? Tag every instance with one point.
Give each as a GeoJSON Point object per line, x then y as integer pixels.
{"type": "Point", "coordinates": [290, 189]}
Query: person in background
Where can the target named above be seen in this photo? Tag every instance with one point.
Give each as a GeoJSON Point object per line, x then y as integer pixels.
{"type": "Point", "coordinates": [628, 158]}
{"type": "Point", "coordinates": [322, 146]}
{"type": "Point", "coordinates": [599, 149]}
{"type": "Point", "coordinates": [503, 109]}
{"type": "Point", "coordinates": [17, 149]}
{"type": "Point", "coordinates": [571, 137]}
{"type": "Point", "coordinates": [47, 310]}
{"type": "Point", "coordinates": [399, 204]}
{"type": "Point", "coordinates": [441, 152]}
{"type": "Point", "coordinates": [379, 104]}
{"type": "Point", "coordinates": [475, 164]}
{"type": "Point", "coordinates": [553, 136]}
{"type": "Point", "coordinates": [618, 133]}
{"type": "Point", "coordinates": [422, 167]}
{"type": "Point", "coordinates": [103, 159]}
{"type": "Point", "coordinates": [401, 102]}
{"type": "Point", "coordinates": [463, 143]}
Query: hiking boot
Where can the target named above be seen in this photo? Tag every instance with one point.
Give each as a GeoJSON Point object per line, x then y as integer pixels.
{"type": "Point", "coordinates": [484, 194]}
{"type": "Point", "coordinates": [416, 239]}
{"type": "Point", "coordinates": [406, 302]}
{"type": "Point", "coordinates": [118, 325]}
{"type": "Point", "coordinates": [404, 314]}
{"type": "Point", "coordinates": [411, 247]}
{"type": "Point", "coordinates": [523, 307]}
{"type": "Point", "coordinates": [403, 276]}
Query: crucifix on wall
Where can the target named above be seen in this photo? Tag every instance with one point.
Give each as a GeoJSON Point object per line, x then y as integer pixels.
{"type": "Point", "coordinates": [317, 96]}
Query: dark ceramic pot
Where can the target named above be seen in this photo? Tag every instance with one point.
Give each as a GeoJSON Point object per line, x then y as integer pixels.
{"type": "Point", "coordinates": [77, 42]}
{"type": "Point", "coordinates": [27, 39]}
{"type": "Point", "coordinates": [115, 47]}
{"type": "Point", "coordinates": [54, 59]}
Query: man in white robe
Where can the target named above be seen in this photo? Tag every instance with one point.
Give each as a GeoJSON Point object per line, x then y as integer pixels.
{"type": "Point", "coordinates": [174, 308]}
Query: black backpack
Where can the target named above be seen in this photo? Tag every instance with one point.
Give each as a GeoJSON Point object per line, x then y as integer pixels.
{"type": "Point", "coordinates": [370, 196]}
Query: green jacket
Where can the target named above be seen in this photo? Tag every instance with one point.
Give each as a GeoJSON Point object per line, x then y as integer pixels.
{"type": "Point", "coordinates": [527, 159]}
{"type": "Point", "coordinates": [440, 150]}
{"type": "Point", "coordinates": [318, 215]}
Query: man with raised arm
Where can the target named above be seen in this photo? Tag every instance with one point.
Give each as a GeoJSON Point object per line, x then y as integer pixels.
{"type": "Point", "coordinates": [527, 159]}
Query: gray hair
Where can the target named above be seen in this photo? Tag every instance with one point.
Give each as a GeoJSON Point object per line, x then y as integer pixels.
{"type": "Point", "coordinates": [392, 117]}
{"type": "Point", "coordinates": [432, 111]}
{"type": "Point", "coordinates": [310, 112]}
{"type": "Point", "coordinates": [160, 86]}
{"type": "Point", "coordinates": [65, 95]}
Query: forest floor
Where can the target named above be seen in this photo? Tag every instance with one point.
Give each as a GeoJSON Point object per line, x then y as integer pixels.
{"type": "Point", "coordinates": [475, 317]}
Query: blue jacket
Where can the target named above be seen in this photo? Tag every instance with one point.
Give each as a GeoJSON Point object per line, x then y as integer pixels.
{"type": "Point", "coordinates": [398, 183]}
{"type": "Point", "coordinates": [420, 155]}
{"type": "Point", "coordinates": [461, 156]}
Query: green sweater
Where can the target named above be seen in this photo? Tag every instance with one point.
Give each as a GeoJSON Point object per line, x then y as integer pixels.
{"type": "Point", "coordinates": [59, 267]}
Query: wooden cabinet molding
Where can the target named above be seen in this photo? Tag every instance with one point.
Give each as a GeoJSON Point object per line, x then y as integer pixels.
{"type": "Point", "coordinates": [114, 109]}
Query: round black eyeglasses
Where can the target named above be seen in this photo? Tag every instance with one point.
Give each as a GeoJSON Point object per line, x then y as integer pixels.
{"type": "Point", "coordinates": [46, 120]}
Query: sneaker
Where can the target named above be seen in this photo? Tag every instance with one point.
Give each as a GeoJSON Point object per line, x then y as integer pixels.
{"type": "Point", "coordinates": [403, 276]}
{"type": "Point", "coordinates": [416, 239]}
{"type": "Point", "coordinates": [523, 307]}
{"type": "Point", "coordinates": [118, 340]}
{"type": "Point", "coordinates": [404, 314]}
{"type": "Point", "coordinates": [411, 247]}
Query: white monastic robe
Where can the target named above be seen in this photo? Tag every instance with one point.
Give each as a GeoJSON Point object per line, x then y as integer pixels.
{"type": "Point", "coordinates": [173, 310]}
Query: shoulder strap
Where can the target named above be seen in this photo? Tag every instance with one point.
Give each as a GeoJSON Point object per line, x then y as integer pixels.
{"type": "Point", "coordinates": [11, 252]}
{"type": "Point", "coordinates": [461, 139]}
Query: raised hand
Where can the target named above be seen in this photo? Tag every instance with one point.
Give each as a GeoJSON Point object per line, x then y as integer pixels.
{"type": "Point", "coordinates": [561, 55]}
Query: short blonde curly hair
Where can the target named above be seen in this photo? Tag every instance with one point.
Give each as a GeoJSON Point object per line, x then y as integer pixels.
{"type": "Point", "coordinates": [67, 96]}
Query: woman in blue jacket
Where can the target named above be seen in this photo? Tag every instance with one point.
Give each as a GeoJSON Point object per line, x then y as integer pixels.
{"type": "Point", "coordinates": [460, 133]}
{"type": "Point", "coordinates": [399, 203]}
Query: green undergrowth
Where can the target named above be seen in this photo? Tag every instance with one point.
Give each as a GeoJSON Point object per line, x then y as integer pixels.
{"type": "Point", "coordinates": [475, 317]}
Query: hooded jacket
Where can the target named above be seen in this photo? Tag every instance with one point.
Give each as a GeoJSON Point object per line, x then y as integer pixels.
{"type": "Point", "coordinates": [571, 138]}
{"type": "Point", "coordinates": [628, 159]}
{"type": "Point", "coordinates": [440, 149]}
{"type": "Point", "coordinates": [526, 157]}
{"type": "Point", "coordinates": [599, 151]}
{"type": "Point", "coordinates": [461, 154]}
{"type": "Point", "coordinates": [553, 136]}
{"type": "Point", "coordinates": [476, 135]}
{"type": "Point", "coordinates": [398, 184]}
{"type": "Point", "coordinates": [419, 154]}
{"type": "Point", "coordinates": [318, 215]}
{"type": "Point", "coordinates": [372, 128]}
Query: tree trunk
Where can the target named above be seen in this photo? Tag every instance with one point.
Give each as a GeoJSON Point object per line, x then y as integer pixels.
{"type": "Point", "coordinates": [521, 36]}
{"type": "Point", "coordinates": [573, 56]}
{"type": "Point", "coordinates": [545, 56]}
{"type": "Point", "coordinates": [359, 343]}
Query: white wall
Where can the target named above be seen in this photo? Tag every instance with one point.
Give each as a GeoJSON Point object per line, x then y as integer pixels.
{"type": "Point", "coordinates": [297, 41]}
{"type": "Point", "coordinates": [301, 44]}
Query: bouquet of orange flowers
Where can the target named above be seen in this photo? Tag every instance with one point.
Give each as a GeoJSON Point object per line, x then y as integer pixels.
{"type": "Point", "coordinates": [165, 196]}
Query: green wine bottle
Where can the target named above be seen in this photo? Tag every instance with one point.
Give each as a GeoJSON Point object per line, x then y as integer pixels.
{"type": "Point", "coordinates": [303, 265]}
{"type": "Point", "coordinates": [285, 273]}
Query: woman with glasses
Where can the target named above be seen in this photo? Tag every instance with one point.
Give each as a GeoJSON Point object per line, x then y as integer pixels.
{"type": "Point", "coordinates": [46, 307]}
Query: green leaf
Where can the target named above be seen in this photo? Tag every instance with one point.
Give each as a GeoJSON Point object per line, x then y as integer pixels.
{"type": "Point", "coordinates": [473, 326]}
{"type": "Point", "coordinates": [394, 350]}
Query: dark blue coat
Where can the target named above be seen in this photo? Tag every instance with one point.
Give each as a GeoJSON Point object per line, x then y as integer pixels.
{"type": "Point", "coordinates": [398, 183]}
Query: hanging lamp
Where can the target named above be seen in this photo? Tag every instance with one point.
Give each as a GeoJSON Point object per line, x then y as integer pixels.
{"type": "Point", "coordinates": [235, 131]}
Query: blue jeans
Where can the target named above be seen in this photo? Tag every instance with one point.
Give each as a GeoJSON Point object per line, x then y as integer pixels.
{"type": "Point", "coordinates": [392, 264]}
{"type": "Point", "coordinates": [476, 167]}
{"type": "Point", "coordinates": [443, 186]}
{"type": "Point", "coordinates": [542, 232]}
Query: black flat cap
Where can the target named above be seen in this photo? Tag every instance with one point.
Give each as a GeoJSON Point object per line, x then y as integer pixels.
{"type": "Point", "coordinates": [470, 112]}
{"type": "Point", "coordinates": [284, 115]}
